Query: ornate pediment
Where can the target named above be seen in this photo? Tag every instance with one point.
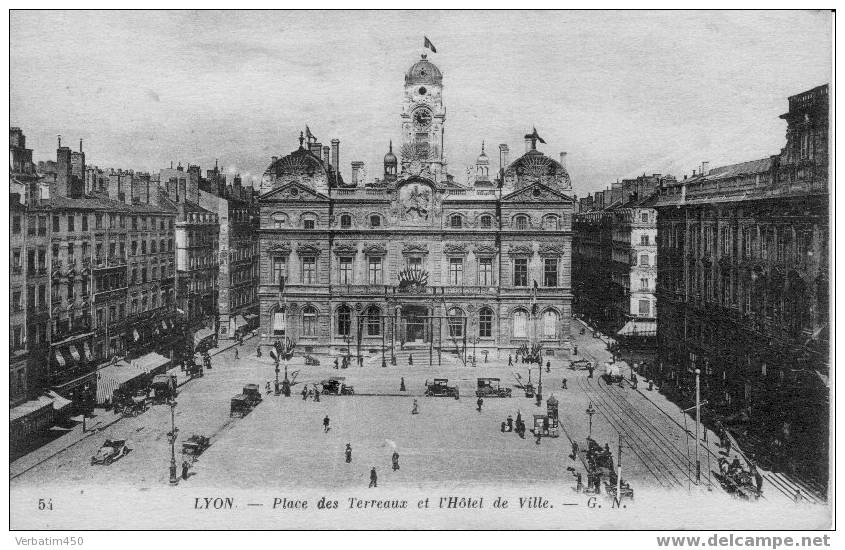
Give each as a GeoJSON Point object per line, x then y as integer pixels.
{"type": "Point", "coordinates": [280, 249]}
{"type": "Point", "coordinates": [375, 249]}
{"type": "Point", "coordinates": [485, 250]}
{"type": "Point", "coordinates": [414, 248]}
{"type": "Point", "coordinates": [520, 250]}
{"type": "Point", "coordinates": [293, 192]}
{"type": "Point", "coordinates": [551, 250]}
{"type": "Point", "coordinates": [455, 249]}
{"type": "Point", "coordinates": [536, 193]}
{"type": "Point", "coordinates": [345, 248]}
{"type": "Point", "coordinates": [308, 250]}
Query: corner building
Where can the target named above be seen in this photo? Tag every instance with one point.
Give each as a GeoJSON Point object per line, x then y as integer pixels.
{"type": "Point", "coordinates": [484, 265]}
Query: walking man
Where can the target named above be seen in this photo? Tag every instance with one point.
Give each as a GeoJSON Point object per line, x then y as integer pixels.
{"type": "Point", "coordinates": [185, 467]}
{"type": "Point", "coordinates": [416, 408]}
{"type": "Point", "coordinates": [563, 384]}
{"type": "Point", "coordinates": [548, 366]}
{"type": "Point", "coordinates": [236, 353]}
{"type": "Point", "coordinates": [348, 453]}
{"type": "Point", "coordinates": [510, 360]}
{"type": "Point", "coordinates": [326, 424]}
{"type": "Point", "coordinates": [316, 394]}
{"type": "Point", "coordinates": [395, 460]}
{"type": "Point", "coordinates": [479, 403]}
{"type": "Point", "coordinates": [305, 393]}
{"type": "Point", "coordinates": [373, 478]}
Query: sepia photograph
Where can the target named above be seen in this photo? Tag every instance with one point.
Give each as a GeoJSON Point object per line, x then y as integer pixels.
{"type": "Point", "coordinates": [421, 270]}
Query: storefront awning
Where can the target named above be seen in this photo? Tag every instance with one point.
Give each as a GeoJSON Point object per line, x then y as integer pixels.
{"type": "Point", "coordinates": [112, 377]}
{"type": "Point", "coordinates": [638, 328]}
{"type": "Point", "coordinates": [240, 322]}
{"type": "Point", "coordinates": [202, 334]}
{"type": "Point", "coordinates": [74, 352]}
{"type": "Point", "coordinates": [57, 354]}
{"type": "Point", "coordinates": [30, 408]}
{"type": "Point", "coordinates": [59, 402]}
{"type": "Point", "coordinates": [150, 363]}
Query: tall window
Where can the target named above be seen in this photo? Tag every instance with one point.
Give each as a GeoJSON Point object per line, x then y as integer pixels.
{"type": "Point", "coordinates": [551, 222]}
{"type": "Point", "coordinates": [345, 274]}
{"type": "Point", "coordinates": [309, 270]}
{"type": "Point", "coordinates": [308, 224]}
{"type": "Point", "coordinates": [550, 324]}
{"type": "Point", "coordinates": [520, 272]}
{"type": "Point", "coordinates": [374, 271]}
{"type": "Point", "coordinates": [456, 271]}
{"type": "Point", "coordinates": [485, 323]}
{"type": "Point", "coordinates": [521, 222]}
{"type": "Point", "coordinates": [456, 323]}
{"type": "Point", "coordinates": [644, 240]}
{"type": "Point", "coordinates": [643, 284]}
{"type": "Point", "coordinates": [278, 221]}
{"type": "Point", "coordinates": [456, 221]}
{"type": "Point", "coordinates": [645, 308]}
{"type": "Point", "coordinates": [644, 217]}
{"type": "Point", "coordinates": [520, 324]}
{"type": "Point", "coordinates": [279, 323]}
{"type": "Point", "coordinates": [309, 321]}
{"type": "Point", "coordinates": [415, 262]}
{"type": "Point", "coordinates": [373, 321]}
{"type": "Point", "coordinates": [550, 272]}
{"type": "Point", "coordinates": [485, 271]}
{"type": "Point", "coordinates": [85, 222]}
{"type": "Point", "coordinates": [345, 221]}
{"type": "Point", "coordinates": [344, 320]}
{"type": "Point", "coordinates": [375, 221]}
{"type": "Point", "coordinates": [71, 225]}
{"type": "Point", "coordinates": [644, 259]}
{"type": "Point", "coordinates": [486, 222]}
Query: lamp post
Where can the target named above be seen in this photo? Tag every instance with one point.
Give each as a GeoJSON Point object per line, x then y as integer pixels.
{"type": "Point", "coordinates": [590, 412]}
{"type": "Point", "coordinates": [172, 435]}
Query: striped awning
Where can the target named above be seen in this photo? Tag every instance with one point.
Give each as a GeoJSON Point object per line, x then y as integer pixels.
{"type": "Point", "coordinates": [59, 358]}
{"type": "Point", "coordinates": [74, 352]}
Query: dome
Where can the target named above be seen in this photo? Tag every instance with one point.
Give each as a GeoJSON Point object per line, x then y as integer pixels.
{"type": "Point", "coordinates": [390, 158]}
{"type": "Point", "coordinates": [423, 72]}
{"type": "Point", "coordinates": [483, 158]}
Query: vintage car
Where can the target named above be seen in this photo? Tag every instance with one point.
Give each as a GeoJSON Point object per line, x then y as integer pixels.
{"type": "Point", "coordinates": [253, 394]}
{"type": "Point", "coordinates": [336, 385]}
{"type": "Point", "coordinates": [240, 406]}
{"type": "Point", "coordinates": [311, 360]}
{"type": "Point", "coordinates": [193, 367]}
{"type": "Point", "coordinates": [440, 388]}
{"type": "Point", "coordinates": [111, 450]}
{"type": "Point", "coordinates": [195, 445]}
{"type": "Point", "coordinates": [491, 387]}
{"type": "Point", "coordinates": [135, 405]}
{"type": "Point", "coordinates": [612, 373]}
{"type": "Point", "coordinates": [164, 387]}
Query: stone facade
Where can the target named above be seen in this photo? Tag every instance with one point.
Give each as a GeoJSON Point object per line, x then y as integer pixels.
{"type": "Point", "coordinates": [416, 258]}
{"type": "Point", "coordinates": [743, 290]}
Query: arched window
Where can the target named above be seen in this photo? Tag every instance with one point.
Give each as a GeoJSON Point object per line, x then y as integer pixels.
{"type": "Point", "coordinates": [550, 319]}
{"type": "Point", "coordinates": [520, 324]}
{"type": "Point", "coordinates": [279, 221]}
{"type": "Point", "coordinates": [279, 322]}
{"type": "Point", "coordinates": [486, 222]}
{"type": "Point", "coordinates": [455, 221]}
{"type": "Point", "coordinates": [551, 222]}
{"type": "Point", "coordinates": [344, 320]}
{"type": "Point", "coordinates": [309, 321]}
{"type": "Point", "coordinates": [485, 323]}
{"type": "Point", "coordinates": [521, 222]}
{"type": "Point", "coordinates": [375, 220]}
{"type": "Point", "coordinates": [373, 321]}
{"type": "Point", "coordinates": [345, 221]}
{"type": "Point", "coordinates": [456, 323]}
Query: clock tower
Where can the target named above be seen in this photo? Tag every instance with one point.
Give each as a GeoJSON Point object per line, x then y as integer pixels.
{"type": "Point", "coordinates": [423, 117]}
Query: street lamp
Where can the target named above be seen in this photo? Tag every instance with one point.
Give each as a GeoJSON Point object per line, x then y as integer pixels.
{"type": "Point", "coordinates": [590, 412]}
{"type": "Point", "coordinates": [172, 435]}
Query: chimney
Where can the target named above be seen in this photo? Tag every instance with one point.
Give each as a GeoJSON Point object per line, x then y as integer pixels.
{"type": "Point", "coordinates": [504, 153]}
{"type": "Point", "coordinates": [357, 167]}
{"type": "Point", "coordinates": [316, 148]}
{"type": "Point", "coordinates": [327, 152]}
{"type": "Point", "coordinates": [64, 170]}
{"type": "Point", "coordinates": [705, 167]}
{"type": "Point", "coordinates": [80, 145]}
{"type": "Point", "coordinates": [336, 154]}
{"type": "Point", "coordinates": [563, 159]}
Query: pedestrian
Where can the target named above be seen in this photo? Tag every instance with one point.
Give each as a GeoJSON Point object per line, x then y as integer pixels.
{"type": "Point", "coordinates": [326, 424]}
{"type": "Point", "coordinates": [563, 384]}
{"type": "Point", "coordinates": [316, 394]}
{"type": "Point", "coordinates": [185, 467]}
{"type": "Point", "coordinates": [479, 403]}
{"type": "Point", "coordinates": [236, 353]}
{"type": "Point", "coordinates": [348, 453]}
{"type": "Point", "coordinates": [258, 351]}
{"type": "Point", "coordinates": [395, 459]}
{"type": "Point", "coordinates": [373, 478]}
{"type": "Point", "coordinates": [335, 363]}
{"type": "Point", "coordinates": [510, 360]}
{"type": "Point", "coordinates": [416, 408]}
{"type": "Point", "coordinates": [304, 393]}
{"type": "Point", "coordinates": [758, 479]}
{"type": "Point", "coordinates": [267, 387]}
{"type": "Point", "coordinates": [402, 386]}
{"type": "Point", "coordinates": [548, 366]}
{"type": "Point", "coordinates": [575, 348]}
{"type": "Point", "coordinates": [574, 454]}
{"type": "Point", "coordinates": [510, 423]}
{"type": "Point", "coordinates": [590, 368]}
{"type": "Point", "coordinates": [411, 359]}
{"type": "Point", "coordinates": [578, 480]}
{"type": "Point", "coordinates": [537, 435]}
{"type": "Point", "coordinates": [634, 381]}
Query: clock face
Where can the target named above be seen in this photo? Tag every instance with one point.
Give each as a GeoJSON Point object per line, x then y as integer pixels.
{"type": "Point", "coordinates": [422, 117]}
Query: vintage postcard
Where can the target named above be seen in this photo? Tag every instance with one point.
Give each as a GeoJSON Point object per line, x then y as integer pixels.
{"type": "Point", "coordinates": [420, 270]}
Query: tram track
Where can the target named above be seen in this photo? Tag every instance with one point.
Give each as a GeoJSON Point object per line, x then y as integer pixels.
{"type": "Point", "coordinates": [647, 457]}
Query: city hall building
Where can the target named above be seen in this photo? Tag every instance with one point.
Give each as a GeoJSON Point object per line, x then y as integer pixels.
{"type": "Point", "coordinates": [414, 259]}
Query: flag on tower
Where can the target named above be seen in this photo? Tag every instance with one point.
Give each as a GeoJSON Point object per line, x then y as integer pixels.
{"type": "Point", "coordinates": [309, 135]}
{"type": "Point", "coordinates": [429, 45]}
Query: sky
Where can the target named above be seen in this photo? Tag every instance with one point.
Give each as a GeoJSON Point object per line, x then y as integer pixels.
{"type": "Point", "coordinates": [624, 93]}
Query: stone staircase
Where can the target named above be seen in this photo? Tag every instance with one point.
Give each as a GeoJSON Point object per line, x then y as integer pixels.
{"type": "Point", "coordinates": [421, 357]}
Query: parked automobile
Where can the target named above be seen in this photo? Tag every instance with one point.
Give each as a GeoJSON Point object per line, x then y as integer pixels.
{"type": "Point", "coordinates": [336, 385]}
{"type": "Point", "coordinates": [491, 387]}
{"type": "Point", "coordinates": [440, 388]}
{"type": "Point", "coordinates": [164, 387]}
{"type": "Point", "coordinates": [239, 406]}
{"type": "Point", "coordinates": [195, 445]}
{"type": "Point", "coordinates": [111, 450]}
{"type": "Point", "coordinates": [253, 394]}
